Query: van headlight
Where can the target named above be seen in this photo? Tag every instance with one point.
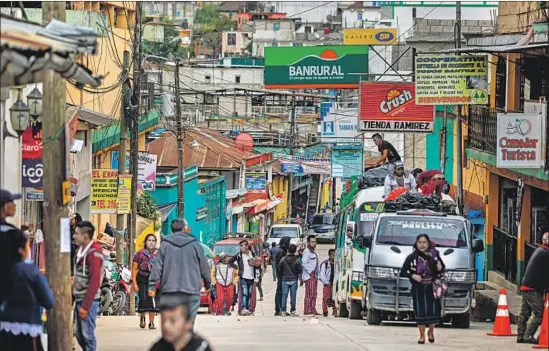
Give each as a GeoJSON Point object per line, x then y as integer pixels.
{"type": "Point", "coordinates": [467, 277]}
{"type": "Point", "coordinates": [380, 272]}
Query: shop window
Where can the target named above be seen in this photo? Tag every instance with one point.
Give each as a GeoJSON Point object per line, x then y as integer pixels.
{"type": "Point", "coordinates": [532, 78]}
{"type": "Point", "coordinates": [508, 205]}
{"type": "Point", "coordinates": [231, 39]}
{"type": "Point", "coordinates": [501, 88]}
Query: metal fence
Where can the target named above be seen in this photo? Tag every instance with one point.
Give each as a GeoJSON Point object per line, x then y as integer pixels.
{"type": "Point", "coordinates": [505, 254]}
{"type": "Point", "coordinates": [482, 128]}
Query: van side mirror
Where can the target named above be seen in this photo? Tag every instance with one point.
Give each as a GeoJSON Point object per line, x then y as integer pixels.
{"type": "Point", "coordinates": [366, 241]}
{"type": "Point", "coordinates": [478, 246]}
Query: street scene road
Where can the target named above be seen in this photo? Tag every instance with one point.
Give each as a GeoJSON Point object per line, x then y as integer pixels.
{"type": "Point", "coordinates": [266, 332]}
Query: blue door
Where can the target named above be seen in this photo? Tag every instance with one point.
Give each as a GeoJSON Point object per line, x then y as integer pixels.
{"type": "Point", "coordinates": [479, 233]}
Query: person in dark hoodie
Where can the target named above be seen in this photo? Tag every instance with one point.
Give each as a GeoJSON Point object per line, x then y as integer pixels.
{"type": "Point", "coordinates": [88, 273]}
{"type": "Point", "coordinates": [289, 271]}
{"type": "Point", "coordinates": [284, 244]}
{"type": "Point", "coordinates": [180, 266]}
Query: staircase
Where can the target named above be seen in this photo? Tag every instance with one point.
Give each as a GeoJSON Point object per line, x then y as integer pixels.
{"type": "Point", "coordinates": [312, 206]}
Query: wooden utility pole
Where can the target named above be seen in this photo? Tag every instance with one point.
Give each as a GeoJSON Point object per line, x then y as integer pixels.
{"type": "Point", "coordinates": [459, 133]}
{"type": "Point", "coordinates": [134, 134]}
{"type": "Point", "coordinates": [180, 148]}
{"type": "Point", "coordinates": [292, 152]}
{"type": "Point", "coordinates": [124, 115]}
{"type": "Point", "coordinates": [55, 172]}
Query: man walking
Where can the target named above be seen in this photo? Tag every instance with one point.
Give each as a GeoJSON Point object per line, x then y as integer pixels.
{"type": "Point", "coordinates": [309, 276]}
{"type": "Point", "coordinates": [248, 277]}
{"type": "Point", "coordinates": [326, 276]}
{"type": "Point", "coordinates": [7, 206]}
{"type": "Point", "coordinates": [180, 266]}
{"type": "Point", "coordinates": [534, 283]}
{"type": "Point", "coordinates": [88, 273]}
{"type": "Point", "coordinates": [289, 270]}
{"type": "Point", "coordinates": [284, 244]}
{"type": "Point", "coordinates": [273, 252]}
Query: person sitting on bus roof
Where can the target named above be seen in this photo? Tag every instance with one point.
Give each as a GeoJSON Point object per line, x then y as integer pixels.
{"type": "Point", "coordinates": [399, 178]}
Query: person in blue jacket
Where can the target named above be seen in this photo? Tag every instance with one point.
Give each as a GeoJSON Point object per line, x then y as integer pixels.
{"type": "Point", "coordinates": [24, 292]}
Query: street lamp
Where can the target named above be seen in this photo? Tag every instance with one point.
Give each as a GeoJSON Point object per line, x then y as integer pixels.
{"type": "Point", "coordinates": [34, 100]}
{"type": "Point", "coordinates": [19, 117]}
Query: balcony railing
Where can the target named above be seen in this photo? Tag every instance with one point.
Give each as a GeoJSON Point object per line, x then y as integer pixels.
{"type": "Point", "coordinates": [483, 128]}
{"type": "Point", "coordinates": [505, 254]}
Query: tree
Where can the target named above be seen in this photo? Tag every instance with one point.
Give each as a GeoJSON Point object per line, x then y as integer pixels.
{"type": "Point", "coordinates": [206, 14]}
{"type": "Point", "coordinates": [147, 208]}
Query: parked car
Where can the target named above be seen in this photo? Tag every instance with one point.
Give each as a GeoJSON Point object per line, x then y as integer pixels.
{"type": "Point", "coordinates": [322, 225]}
{"type": "Point", "coordinates": [230, 244]}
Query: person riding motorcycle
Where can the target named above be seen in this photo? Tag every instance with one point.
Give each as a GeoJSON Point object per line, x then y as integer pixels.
{"type": "Point", "coordinates": [399, 178]}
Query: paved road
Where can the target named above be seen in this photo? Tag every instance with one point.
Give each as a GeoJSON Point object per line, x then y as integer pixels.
{"type": "Point", "coordinates": [265, 332]}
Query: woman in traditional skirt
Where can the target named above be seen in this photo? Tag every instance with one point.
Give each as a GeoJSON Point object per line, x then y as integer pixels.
{"type": "Point", "coordinates": [224, 277]}
{"type": "Point", "coordinates": [141, 269]}
{"type": "Point", "coordinates": [423, 267]}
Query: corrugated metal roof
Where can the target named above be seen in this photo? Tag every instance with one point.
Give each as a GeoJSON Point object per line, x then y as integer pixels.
{"type": "Point", "coordinates": [214, 150]}
{"type": "Point", "coordinates": [94, 119]}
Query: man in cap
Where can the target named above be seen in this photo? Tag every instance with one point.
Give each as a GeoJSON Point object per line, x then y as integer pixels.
{"type": "Point", "coordinates": [180, 267]}
{"type": "Point", "coordinates": [7, 205]}
{"type": "Point", "coordinates": [388, 152]}
{"type": "Point", "coordinates": [399, 179]}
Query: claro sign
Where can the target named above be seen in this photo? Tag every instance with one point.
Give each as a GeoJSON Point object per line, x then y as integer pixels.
{"type": "Point", "coordinates": [388, 107]}
{"type": "Point", "coordinates": [519, 140]}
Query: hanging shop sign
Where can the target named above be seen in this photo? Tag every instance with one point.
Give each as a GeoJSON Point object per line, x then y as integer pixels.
{"type": "Point", "coordinates": [34, 194]}
{"type": "Point", "coordinates": [146, 172]}
{"type": "Point", "coordinates": [341, 126]}
{"type": "Point", "coordinates": [320, 67]}
{"type": "Point", "coordinates": [519, 141]}
{"type": "Point", "coordinates": [124, 193]}
{"type": "Point", "coordinates": [370, 36]}
{"type": "Point", "coordinates": [104, 191]}
{"type": "Point", "coordinates": [347, 161]}
{"type": "Point", "coordinates": [450, 80]}
{"type": "Point", "coordinates": [256, 181]}
{"type": "Point", "coordinates": [32, 171]}
{"type": "Point", "coordinates": [305, 165]}
{"type": "Point", "coordinates": [391, 107]}
{"type": "Point", "coordinates": [31, 141]}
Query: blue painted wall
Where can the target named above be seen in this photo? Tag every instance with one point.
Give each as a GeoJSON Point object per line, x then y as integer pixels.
{"type": "Point", "coordinates": [433, 143]}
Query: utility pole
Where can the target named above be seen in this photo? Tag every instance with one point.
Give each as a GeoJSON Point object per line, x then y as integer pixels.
{"type": "Point", "coordinates": [459, 123]}
{"type": "Point", "coordinates": [55, 173]}
{"type": "Point", "coordinates": [180, 148]}
{"type": "Point", "coordinates": [121, 218]}
{"type": "Point", "coordinates": [135, 113]}
{"type": "Point", "coordinates": [292, 149]}
{"type": "Point", "coordinates": [443, 141]}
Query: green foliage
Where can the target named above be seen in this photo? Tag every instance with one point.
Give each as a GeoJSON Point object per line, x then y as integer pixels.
{"type": "Point", "coordinates": [206, 14]}
{"type": "Point", "coordinates": [146, 206]}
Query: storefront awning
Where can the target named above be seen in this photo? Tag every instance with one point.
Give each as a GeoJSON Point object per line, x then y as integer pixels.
{"type": "Point", "coordinates": [166, 210]}
{"type": "Point", "coordinates": [234, 193]}
{"type": "Point", "coordinates": [264, 205]}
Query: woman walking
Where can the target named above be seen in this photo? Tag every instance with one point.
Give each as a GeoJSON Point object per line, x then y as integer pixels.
{"type": "Point", "coordinates": [24, 291]}
{"type": "Point", "coordinates": [141, 269]}
{"type": "Point", "coordinates": [424, 267]}
{"type": "Point", "coordinates": [224, 278]}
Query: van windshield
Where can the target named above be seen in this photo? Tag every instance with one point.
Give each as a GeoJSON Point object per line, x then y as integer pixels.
{"type": "Point", "coordinates": [444, 232]}
{"type": "Point", "coordinates": [323, 219]}
{"type": "Point", "coordinates": [368, 213]}
{"type": "Point", "coordinates": [280, 232]}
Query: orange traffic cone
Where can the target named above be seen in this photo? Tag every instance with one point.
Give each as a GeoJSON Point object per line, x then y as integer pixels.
{"type": "Point", "coordinates": [502, 325]}
{"type": "Point", "coordinates": [544, 334]}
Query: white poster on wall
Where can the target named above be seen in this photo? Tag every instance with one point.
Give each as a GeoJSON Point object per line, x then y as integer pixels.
{"type": "Point", "coordinates": [341, 127]}
{"type": "Point", "coordinates": [519, 141]}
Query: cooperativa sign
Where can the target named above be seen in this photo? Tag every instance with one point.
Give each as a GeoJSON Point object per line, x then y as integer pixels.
{"type": "Point", "coordinates": [519, 141]}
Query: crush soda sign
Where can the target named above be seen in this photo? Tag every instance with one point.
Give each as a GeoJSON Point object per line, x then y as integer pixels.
{"type": "Point", "coordinates": [519, 141]}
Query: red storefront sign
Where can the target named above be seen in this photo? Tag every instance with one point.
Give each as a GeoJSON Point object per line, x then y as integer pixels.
{"type": "Point", "coordinates": [391, 107]}
{"type": "Point", "coordinates": [31, 141]}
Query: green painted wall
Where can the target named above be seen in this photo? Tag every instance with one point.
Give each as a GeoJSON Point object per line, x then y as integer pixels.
{"type": "Point", "coordinates": [433, 144]}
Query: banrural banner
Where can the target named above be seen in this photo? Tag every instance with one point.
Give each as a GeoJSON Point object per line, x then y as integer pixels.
{"type": "Point", "coordinates": [321, 67]}
{"type": "Point", "coordinates": [104, 191]}
{"type": "Point", "coordinates": [519, 140]}
{"type": "Point", "coordinates": [451, 80]}
{"type": "Point", "coordinates": [370, 36]}
{"type": "Point", "coordinates": [391, 107]}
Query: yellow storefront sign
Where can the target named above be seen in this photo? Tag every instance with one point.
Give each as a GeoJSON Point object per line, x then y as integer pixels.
{"type": "Point", "coordinates": [370, 36]}
{"type": "Point", "coordinates": [104, 191]}
{"type": "Point", "coordinates": [124, 193]}
{"type": "Point", "coordinates": [451, 80]}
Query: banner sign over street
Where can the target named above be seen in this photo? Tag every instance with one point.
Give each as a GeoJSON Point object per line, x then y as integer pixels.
{"type": "Point", "coordinates": [451, 80]}
{"type": "Point", "coordinates": [391, 107]}
{"type": "Point", "coordinates": [340, 126]}
{"type": "Point", "coordinates": [256, 181]}
{"type": "Point", "coordinates": [519, 141]}
{"type": "Point", "coordinates": [370, 36]}
{"type": "Point", "coordinates": [104, 191]}
{"type": "Point", "coordinates": [347, 161]}
{"type": "Point", "coordinates": [305, 165]}
{"type": "Point", "coordinates": [321, 67]}
{"type": "Point", "coordinates": [146, 172]}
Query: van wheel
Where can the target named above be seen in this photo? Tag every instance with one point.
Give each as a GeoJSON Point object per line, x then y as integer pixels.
{"type": "Point", "coordinates": [343, 312]}
{"type": "Point", "coordinates": [356, 310]}
{"type": "Point", "coordinates": [461, 321]}
{"type": "Point", "coordinates": [373, 317]}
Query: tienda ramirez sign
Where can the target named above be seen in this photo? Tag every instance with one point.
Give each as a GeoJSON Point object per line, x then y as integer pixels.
{"type": "Point", "coordinates": [321, 67]}
{"type": "Point", "coordinates": [519, 141]}
{"type": "Point", "coordinates": [390, 106]}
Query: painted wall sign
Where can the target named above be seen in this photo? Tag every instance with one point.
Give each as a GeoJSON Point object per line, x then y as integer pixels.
{"type": "Point", "coordinates": [519, 141]}
{"type": "Point", "coordinates": [370, 36]}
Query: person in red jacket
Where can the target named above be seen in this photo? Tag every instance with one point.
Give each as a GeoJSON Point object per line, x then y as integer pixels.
{"type": "Point", "coordinates": [88, 272]}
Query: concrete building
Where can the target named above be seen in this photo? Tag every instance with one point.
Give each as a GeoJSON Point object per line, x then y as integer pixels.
{"type": "Point", "coordinates": [236, 42]}
{"type": "Point", "coordinates": [272, 33]}
{"type": "Point", "coordinates": [180, 12]}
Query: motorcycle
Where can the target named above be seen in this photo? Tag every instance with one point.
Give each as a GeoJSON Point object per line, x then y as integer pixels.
{"type": "Point", "coordinates": [107, 286]}
{"type": "Point", "coordinates": [121, 291]}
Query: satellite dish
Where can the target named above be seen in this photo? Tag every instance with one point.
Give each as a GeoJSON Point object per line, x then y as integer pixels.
{"type": "Point", "coordinates": [244, 142]}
